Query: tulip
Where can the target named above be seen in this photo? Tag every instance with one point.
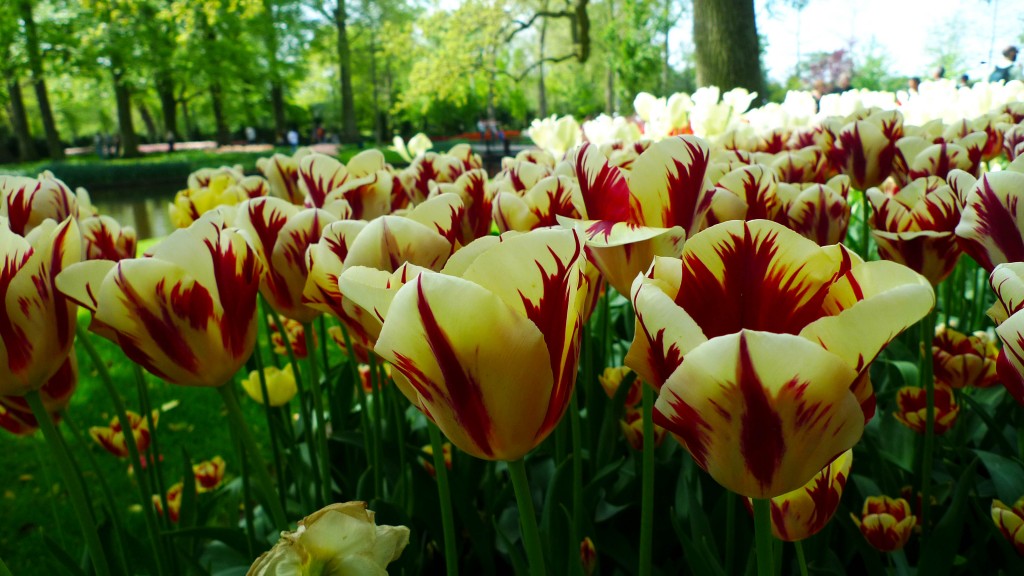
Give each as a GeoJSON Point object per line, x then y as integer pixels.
{"type": "Point", "coordinates": [912, 405]}
{"type": "Point", "coordinates": [37, 326]}
{"type": "Point", "coordinates": [428, 465]}
{"type": "Point", "coordinates": [1010, 522]}
{"type": "Point", "coordinates": [746, 193]}
{"type": "Point", "coordinates": [588, 556]}
{"type": "Point", "coordinates": [338, 540]}
{"type": "Point", "coordinates": [368, 188]}
{"type": "Point", "coordinates": [818, 212]}
{"type": "Point", "coordinates": [209, 474]}
{"type": "Point", "coordinates": [296, 334]}
{"type": "Point", "coordinates": [416, 147]}
{"type": "Point", "coordinates": [211, 191]}
{"type": "Point", "coordinates": [430, 167]}
{"type": "Point", "coordinates": [917, 158]}
{"type": "Point", "coordinates": [523, 173]}
{"type": "Point", "coordinates": [282, 172]}
{"type": "Point", "coordinates": [1007, 281]}
{"type": "Point", "coordinates": [281, 386]}
{"type": "Point", "coordinates": [611, 379]}
{"type": "Point", "coordinates": [105, 239]}
{"type": "Point", "coordinates": [366, 378]}
{"type": "Point", "coordinates": [112, 438]}
{"type": "Point", "coordinates": [556, 135]}
{"type": "Point", "coordinates": [886, 523]}
{"type": "Point", "coordinates": [804, 512]}
{"type": "Point", "coordinates": [174, 494]}
{"type": "Point", "coordinates": [632, 426]}
{"type": "Point", "coordinates": [477, 199]}
{"type": "Point", "coordinates": [710, 331]}
{"type": "Point", "coordinates": [960, 360]}
{"type": "Point", "coordinates": [864, 149]}
{"type": "Point", "coordinates": [28, 202]}
{"type": "Point", "coordinates": [499, 396]}
{"type": "Point", "coordinates": [915, 227]}
{"type": "Point", "coordinates": [187, 313]}
{"type": "Point", "coordinates": [991, 228]}
{"type": "Point", "coordinates": [539, 207]}
{"type": "Point", "coordinates": [281, 233]}
{"type": "Point", "coordinates": [1013, 142]}
{"type": "Point", "coordinates": [15, 414]}
{"type": "Point", "coordinates": [808, 164]}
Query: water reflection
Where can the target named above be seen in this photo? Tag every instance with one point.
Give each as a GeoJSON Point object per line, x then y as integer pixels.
{"type": "Point", "coordinates": [147, 215]}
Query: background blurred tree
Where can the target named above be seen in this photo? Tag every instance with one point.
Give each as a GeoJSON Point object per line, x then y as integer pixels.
{"type": "Point", "coordinates": [727, 50]}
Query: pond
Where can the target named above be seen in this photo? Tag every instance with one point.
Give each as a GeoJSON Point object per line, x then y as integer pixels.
{"type": "Point", "coordinates": [146, 212]}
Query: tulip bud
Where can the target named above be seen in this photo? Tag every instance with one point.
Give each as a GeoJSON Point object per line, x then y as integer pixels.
{"type": "Point", "coordinates": [428, 464]}
{"type": "Point", "coordinates": [886, 523]}
{"type": "Point", "coordinates": [1010, 522]}
{"type": "Point", "coordinates": [912, 403]}
{"type": "Point", "coordinates": [209, 474]}
{"type": "Point", "coordinates": [173, 502]}
{"type": "Point", "coordinates": [960, 360]}
{"type": "Point", "coordinates": [112, 438]}
{"type": "Point", "coordinates": [588, 556]}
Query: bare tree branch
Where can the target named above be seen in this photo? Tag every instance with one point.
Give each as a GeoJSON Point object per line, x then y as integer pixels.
{"type": "Point", "coordinates": [521, 25]}
{"type": "Point", "coordinates": [549, 60]}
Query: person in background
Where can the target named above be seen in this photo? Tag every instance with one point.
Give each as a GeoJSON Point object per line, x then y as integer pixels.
{"type": "Point", "coordinates": [1006, 68]}
{"type": "Point", "coordinates": [293, 139]}
{"type": "Point", "coordinates": [818, 90]}
{"type": "Point", "coordinates": [843, 84]}
{"type": "Point", "coordinates": [250, 134]}
{"type": "Point", "coordinates": [964, 81]}
{"type": "Point", "coordinates": [938, 73]}
{"type": "Point", "coordinates": [170, 141]}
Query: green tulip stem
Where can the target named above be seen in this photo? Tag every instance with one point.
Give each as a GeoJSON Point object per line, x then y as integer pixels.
{"type": "Point", "coordinates": [145, 490]}
{"type": "Point", "coordinates": [269, 414]}
{"type": "Point", "coordinates": [377, 420]}
{"type": "Point", "coordinates": [730, 532]}
{"type": "Point", "coordinates": [75, 490]}
{"type": "Point", "coordinates": [451, 555]}
{"type": "Point", "coordinates": [577, 470]}
{"type": "Point", "coordinates": [153, 467]}
{"type": "Point", "coordinates": [318, 407]}
{"type": "Point", "coordinates": [647, 486]}
{"type": "Point", "coordinates": [238, 423]}
{"type": "Point", "coordinates": [763, 535]}
{"type": "Point", "coordinates": [369, 436]}
{"type": "Point", "coordinates": [527, 517]}
{"type": "Point", "coordinates": [800, 558]}
{"type": "Point", "coordinates": [865, 225]}
{"type": "Point", "coordinates": [4, 571]}
{"type": "Point", "coordinates": [928, 383]}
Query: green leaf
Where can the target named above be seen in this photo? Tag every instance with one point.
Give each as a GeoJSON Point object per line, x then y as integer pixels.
{"type": "Point", "coordinates": [62, 557]}
{"type": "Point", "coordinates": [939, 551]}
{"type": "Point", "coordinates": [514, 556]}
{"type": "Point", "coordinates": [233, 538]}
{"type": "Point", "coordinates": [696, 556]}
{"type": "Point", "coordinates": [1006, 474]}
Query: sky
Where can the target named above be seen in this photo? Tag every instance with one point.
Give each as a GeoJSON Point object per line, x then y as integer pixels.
{"type": "Point", "coordinates": [908, 30]}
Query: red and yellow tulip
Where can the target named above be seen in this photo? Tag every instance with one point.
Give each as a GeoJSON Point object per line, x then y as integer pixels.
{"type": "Point", "coordinates": [28, 202]}
{"type": "Point", "coordinates": [174, 494]}
{"type": "Point", "coordinates": [1010, 522]}
{"type": "Point", "coordinates": [112, 439]}
{"type": "Point", "coordinates": [991, 228]}
{"type": "Point", "coordinates": [16, 415]}
{"type": "Point", "coordinates": [105, 239]}
{"type": "Point", "coordinates": [209, 474]}
{"type": "Point", "coordinates": [864, 149]}
{"type": "Point", "coordinates": [487, 348]}
{"type": "Point", "coordinates": [710, 328]}
{"type": "Point", "coordinates": [960, 360]}
{"type": "Point", "coordinates": [818, 212]}
{"type": "Point", "coordinates": [428, 463]}
{"type": "Point", "coordinates": [187, 314]}
{"type": "Point", "coordinates": [38, 323]}
{"type": "Point", "coordinates": [886, 523]}
{"type": "Point", "coordinates": [912, 404]}
{"type": "Point", "coordinates": [804, 512]}
{"type": "Point", "coordinates": [1007, 281]}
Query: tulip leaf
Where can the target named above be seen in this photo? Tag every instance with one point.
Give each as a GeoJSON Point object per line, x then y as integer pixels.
{"type": "Point", "coordinates": [187, 514]}
{"type": "Point", "coordinates": [940, 549]}
{"type": "Point", "coordinates": [233, 538]}
{"type": "Point", "coordinates": [700, 562]}
{"type": "Point", "coordinates": [1007, 475]}
{"type": "Point", "coordinates": [59, 556]}
{"type": "Point", "coordinates": [514, 556]}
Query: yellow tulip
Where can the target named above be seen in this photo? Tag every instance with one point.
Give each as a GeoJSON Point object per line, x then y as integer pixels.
{"type": "Point", "coordinates": [281, 386]}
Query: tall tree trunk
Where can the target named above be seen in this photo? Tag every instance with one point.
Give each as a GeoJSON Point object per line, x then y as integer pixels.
{"type": "Point", "coordinates": [666, 14]}
{"type": "Point", "coordinates": [727, 47]}
{"type": "Point", "coordinates": [216, 100]}
{"type": "Point", "coordinates": [277, 102]}
{"type": "Point", "coordinates": [168, 104]}
{"type": "Point", "coordinates": [349, 130]}
{"type": "Point", "coordinates": [609, 87]}
{"type": "Point", "coordinates": [190, 131]}
{"type": "Point", "coordinates": [147, 119]}
{"type": "Point", "coordinates": [276, 84]}
{"type": "Point", "coordinates": [35, 63]}
{"type": "Point", "coordinates": [126, 126]}
{"type": "Point", "coordinates": [542, 93]}
{"type": "Point", "coordinates": [26, 148]}
{"type": "Point", "coordinates": [378, 125]}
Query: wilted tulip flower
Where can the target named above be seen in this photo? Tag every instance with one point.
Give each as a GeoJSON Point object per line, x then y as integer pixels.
{"type": "Point", "coordinates": [173, 502]}
{"type": "Point", "coordinates": [991, 228]}
{"type": "Point", "coordinates": [912, 406]}
{"type": "Point", "coordinates": [339, 540]}
{"type": "Point", "coordinates": [16, 415]}
{"type": "Point", "coordinates": [38, 324]}
{"type": "Point", "coordinates": [187, 314]}
{"type": "Point", "coordinates": [111, 438]}
{"type": "Point", "coordinates": [864, 149]}
{"type": "Point", "coordinates": [281, 386]}
{"type": "Point", "coordinates": [804, 512]}
{"type": "Point", "coordinates": [106, 239]}
{"type": "Point", "coordinates": [1010, 522]}
{"type": "Point", "coordinates": [915, 227]}
{"type": "Point", "coordinates": [28, 202]}
{"type": "Point", "coordinates": [886, 523]}
{"type": "Point", "coordinates": [428, 463]}
{"type": "Point", "coordinates": [1007, 281]}
{"type": "Point", "coordinates": [818, 212]}
{"type": "Point", "coordinates": [209, 474]}
{"type": "Point", "coordinates": [487, 348]}
{"type": "Point", "coordinates": [960, 360]}
{"type": "Point", "coordinates": [718, 332]}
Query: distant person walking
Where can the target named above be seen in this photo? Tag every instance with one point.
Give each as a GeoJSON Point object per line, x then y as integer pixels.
{"type": "Point", "coordinates": [293, 139]}
{"type": "Point", "coordinates": [250, 135]}
{"type": "Point", "coordinates": [1006, 68]}
{"type": "Point", "coordinates": [170, 141]}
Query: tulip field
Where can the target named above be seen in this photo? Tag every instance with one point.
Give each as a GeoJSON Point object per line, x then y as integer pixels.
{"type": "Point", "coordinates": [702, 339]}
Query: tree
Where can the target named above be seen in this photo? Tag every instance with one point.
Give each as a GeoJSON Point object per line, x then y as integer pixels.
{"type": "Point", "coordinates": [727, 46]}
{"type": "Point", "coordinates": [35, 64]}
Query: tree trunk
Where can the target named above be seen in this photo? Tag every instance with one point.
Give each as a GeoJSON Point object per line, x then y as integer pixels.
{"type": "Point", "coordinates": [378, 124]}
{"type": "Point", "coordinates": [26, 147]}
{"type": "Point", "coordinates": [542, 96]}
{"type": "Point", "coordinates": [216, 100]}
{"type": "Point", "coordinates": [35, 63]}
{"type": "Point", "coordinates": [666, 14]}
{"type": "Point", "coordinates": [349, 130]}
{"type": "Point", "coordinates": [609, 87]}
{"type": "Point", "coordinates": [129, 140]}
{"type": "Point", "coordinates": [168, 104]}
{"type": "Point", "coordinates": [147, 119]}
{"type": "Point", "coordinates": [276, 85]}
{"type": "Point", "coordinates": [277, 102]}
{"type": "Point", "coordinates": [190, 131]}
{"type": "Point", "coordinates": [727, 49]}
